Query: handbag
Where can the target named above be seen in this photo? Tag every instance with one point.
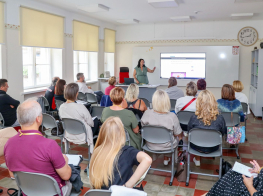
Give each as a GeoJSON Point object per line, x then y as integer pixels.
{"type": "Point", "coordinates": [60, 130]}
{"type": "Point", "coordinates": [14, 193]}
{"type": "Point", "coordinates": [181, 173]}
{"type": "Point", "coordinates": [226, 166]}
{"type": "Point", "coordinates": [234, 134]}
{"type": "Point", "coordinates": [243, 134]}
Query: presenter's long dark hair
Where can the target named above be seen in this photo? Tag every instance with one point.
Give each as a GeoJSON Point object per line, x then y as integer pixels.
{"type": "Point", "coordinates": [139, 63]}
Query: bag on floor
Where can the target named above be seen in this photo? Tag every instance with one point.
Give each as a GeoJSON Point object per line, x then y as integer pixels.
{"type": "Point", "coordinates": [60, 129]}
{"type": "Point", "coordinates": [181, 171]}
{"type": "Point", "coordinates": [226, 166]}
{"type": "Point", "coordinates": [234, 135]}
{"type": "Point", "coordinates": [13, 192]}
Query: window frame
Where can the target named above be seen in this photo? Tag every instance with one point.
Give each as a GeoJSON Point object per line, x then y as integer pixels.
{"type": "Point", "coordinates": [87, 78]}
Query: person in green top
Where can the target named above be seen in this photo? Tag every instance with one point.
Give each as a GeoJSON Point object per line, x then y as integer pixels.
{"type": "Point", "coordinates": [127, 117]}
{"type": "Point", "coordinates": [140, 73]}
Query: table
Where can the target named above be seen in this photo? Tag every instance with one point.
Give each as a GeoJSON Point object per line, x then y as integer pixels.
{"type": "Point", "coordinates": [146, 91]}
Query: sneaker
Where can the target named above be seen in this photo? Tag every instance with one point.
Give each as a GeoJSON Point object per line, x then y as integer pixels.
{"type": "Point", "coordinates": [197, 163]}
{"type": "Point", "coordinates": [165, 162]}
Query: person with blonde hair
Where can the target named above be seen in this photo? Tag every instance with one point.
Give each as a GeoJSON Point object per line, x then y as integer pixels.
{"type": "Point", "coordinates": [160, 115]}
{"type": "Point", "coordinates": [206, 117]}
{"type": "Point", "coordinates": [238, 87]}
{"type": "Point", "coordinates": [127, 117]}
{"type": "Point", "coordinates": [112, 83]}
{"type": "Point", "coordinates": [131, 99]}
{"type": "Point", "coordinates": [188, 102]}
{"type": "Point", "coordinates": [112, 161]}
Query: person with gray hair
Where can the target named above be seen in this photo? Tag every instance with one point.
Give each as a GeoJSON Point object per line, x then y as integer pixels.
{"type": "Point", "coordinates": [83, 88]}
{"type": "Point", "coordinates": [50, 94]}
{"type": "Point", "coordinates": [29, 151]}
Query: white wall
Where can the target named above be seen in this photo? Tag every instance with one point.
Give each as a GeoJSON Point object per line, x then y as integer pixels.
{"type": "Point", "coordinates": [210, 33]}
{"type": "Point", "coordinates": [12, 52]}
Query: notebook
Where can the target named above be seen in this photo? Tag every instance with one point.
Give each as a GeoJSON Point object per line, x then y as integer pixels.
{"type": "Point", "coordinates": [74, 159]}
{"type": "Point", "coordinates": [142, 178]}
{"type": "Point", "coordinates": [243, 169]}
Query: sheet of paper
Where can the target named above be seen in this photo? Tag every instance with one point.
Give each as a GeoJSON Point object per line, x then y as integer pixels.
{"type": "Point", "coordinates": [73, 159]}
{"type": "Point", "coordinates": [81, 102]}
{"type": "Point", "coordinates": [93, 118]}
{"type": "Point", "coordinates": [142, 178]}
{"type": "Point", "coordinates": [243, 169]}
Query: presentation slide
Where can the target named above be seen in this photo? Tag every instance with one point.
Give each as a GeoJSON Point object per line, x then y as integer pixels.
{"type": "Point", "coordinates": [183, 65]}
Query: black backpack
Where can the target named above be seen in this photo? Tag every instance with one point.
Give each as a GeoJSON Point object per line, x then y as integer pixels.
{"type": "Point", "coordinates": [226, 166]}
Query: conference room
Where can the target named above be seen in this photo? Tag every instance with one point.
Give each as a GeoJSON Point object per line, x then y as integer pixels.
{"type": "Point", "coordinates": [141, 97]}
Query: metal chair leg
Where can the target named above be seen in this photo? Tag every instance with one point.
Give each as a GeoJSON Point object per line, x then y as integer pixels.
{"type": "Point", "coordinates": [61, 143]}
{"type": "Point", "coordinates": [237, 152]}
{"type": "Point", "coordinates": [188, 170]}
{"type": "Point", "coordinates": [220, 167]}
{"type": "Point", "coordinates": [172, 174]}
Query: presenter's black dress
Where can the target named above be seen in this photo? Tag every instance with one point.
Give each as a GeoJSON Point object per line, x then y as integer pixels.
{"type": "Point", "coordinates": [231, 184]}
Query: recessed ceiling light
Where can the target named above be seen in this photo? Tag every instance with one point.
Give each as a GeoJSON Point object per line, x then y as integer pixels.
{"type": "Point", "coordinates": [242, 16]}
{"type": "Point", "coordinates": [128, 21]}
{"type": "Point", "coordinates": [181, 18]}
{"type": "Point", "coordinates": [93, 8]}
{"type": "Point", "coordinates": [163, 3]}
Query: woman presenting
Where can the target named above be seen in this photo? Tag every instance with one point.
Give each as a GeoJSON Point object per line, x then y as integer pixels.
{"type": "Point", "coordinates": [140, 73]}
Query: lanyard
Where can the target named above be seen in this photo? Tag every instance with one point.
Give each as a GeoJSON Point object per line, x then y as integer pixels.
{"type": "Point", "coordinates": [28, 133]}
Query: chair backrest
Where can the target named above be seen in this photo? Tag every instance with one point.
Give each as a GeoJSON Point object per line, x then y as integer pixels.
{"type": "Point", "coordinates": [98, 192]}
{"type": "Point", "coordinates": [146, 101]}
{"type": "Point", "coordinates": [74, 126]}
{"type": "Point", "coordinates": [231, 121]}
{"type": "Point", "coordinates": [156, 134]}
{"type": "Point", "coordinates": [184, 116]}
{"type": "Point", "coordinates": [48, 121]}
{"type": "Point", "coordinates": [245, 107]}
{"type": "Point", "coordinates": [91, 98]}
{"type": "Point", "coordinates": [2, 121]}
{"type": "Point", "coordinates": [97, 111]}
{"type": "Point", "coordinates": [127, 137]}
{"type": "Point", "coordinates": [46, 103]}
{"type": "Point", "coordinates": [205, 137]}
{"type": "Point", "coordinates": [82, 96]}
{"type": "Point", "coordinates": [173, 102]}
{"type": "Point", "coordinates": [37, 184]}
{"type": "Point", "coordinates": [58, 103]}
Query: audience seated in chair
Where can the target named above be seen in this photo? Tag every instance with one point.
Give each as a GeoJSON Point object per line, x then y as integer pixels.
{"type": "Point", "coordinates": [229, 103]}
{"type": "Point", "coordinates": [8, 105]}
{"type": "Point", "coordinates": [59, 90]}
{"type": "Point", "coordinates": [29, 151]}
{"type": "Point", "coordinates": [127, 117]}
{"type": "Point", "coordinates": [73, 110]}
{"type": "Point", "coordinates": [238, 87]}
{"type": "Point", "coordinates": [201, 85]}
{"type": "Point", "coordinates": [112, 162]}
{"type": "Point", "coordinates": [83, 88]}
{"type": "Point", "coordinates": [131, 100]}
{"type": "Point", "coordinates": [233, 183]}
{"type": "Point", "coordinates": [206, 117]}
{"type": "Point", "coordinates": [160, 115]}
{"type": "Point", "coordinates": [112, 82]}
{"type": "Point", "coordinates": [173, 91]}
{"type": "Point", "coordinates": [50, 94]}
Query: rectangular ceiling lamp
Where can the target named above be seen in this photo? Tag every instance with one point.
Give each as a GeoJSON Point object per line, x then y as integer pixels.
{"type": "Point", "coordinates": [242, 16]}
{"type": "Point", "coordinates": [128, 21]}
{"type": "Point", "coordinates": [247, 1]}
{"type": "Point", "coordinates": [181, 18]}
{"type": "Point", "coordinates": [94, 8]}
{"type": "Point", "coordinates": [163, 3]}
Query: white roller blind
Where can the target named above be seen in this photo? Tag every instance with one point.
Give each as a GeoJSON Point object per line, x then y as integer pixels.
{"type": "Point", "coordinates": [41, 29]}
{"type": "Point", "coordinates": [2, 23]}
{"type": "Point", "coordinates": [85, 37]}
{"type": "Point", "coordinates": [109, 40]}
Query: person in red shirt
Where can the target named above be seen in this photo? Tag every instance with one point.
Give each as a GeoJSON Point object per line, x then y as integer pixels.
{"type": "Point", "coordinates": [112, 83]}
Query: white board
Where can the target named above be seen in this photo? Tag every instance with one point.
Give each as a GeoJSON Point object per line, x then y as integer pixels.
{"type": "Point", "coordinates": [219, 71]}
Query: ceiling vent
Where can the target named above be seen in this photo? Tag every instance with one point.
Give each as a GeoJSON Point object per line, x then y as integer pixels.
{"type": "Point", "coordinates": [242, 16]}
{"type": "Point", "coordinates": [247, 1]}
{"type": "Point", "coordinates": [93, 8]}
{"type": "Point", "coordinates": [128, 21]}
{"type": "Point", "coordinates": [163, 3]}
{"type": "Point", "coordinates": [181, 18]}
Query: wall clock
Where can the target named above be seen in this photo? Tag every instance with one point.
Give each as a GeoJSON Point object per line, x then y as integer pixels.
{"type": "Point", "coordinates": [247, 36]}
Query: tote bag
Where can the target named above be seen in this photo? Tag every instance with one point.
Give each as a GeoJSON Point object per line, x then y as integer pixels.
{"type": "Point", "coordinates": [236, 135]}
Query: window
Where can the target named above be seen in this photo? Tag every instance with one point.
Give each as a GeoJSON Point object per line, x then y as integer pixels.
{"type": "Point", "coordinates": [86, 63]}
{"type": "Point", "coordinates": [40, 65]}
{"type": "Point", "coordinates": [109, 63]}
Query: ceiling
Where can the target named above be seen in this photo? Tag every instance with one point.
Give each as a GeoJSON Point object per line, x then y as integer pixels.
{"type": "Point", "coordinates": [145, 13]}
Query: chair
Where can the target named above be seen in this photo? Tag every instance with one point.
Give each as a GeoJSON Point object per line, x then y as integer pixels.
{"type": "Point", "coordinates": [49, 123]}
{"type": "Point", "coordinates": [124, 73]}
{"type": "Point", "coordinates": [47, 106]}
{"type": "Point", "coordinates": [147, 103]}
{"type": "Point", "coordinates": [98, 192]}
{"type": "Point", "coordinates": [97, 111]}
{"type": "Point", "coordinates": [173, 102]}
{"type": "Point", "coordinates": [127, 137]}
{"type": "Point", "coordinates": [159, 135]}
{"type": "Point", "coordinates": [2, 121]}
{"type": "Point", "coordinates": [184, 117]}
{"type": "Point", "coordinates": [38, 184]}
{"type": "Point", "coordinates": [91, 98]}
{"type": "Point", "coordinates": [245, 109]}
{"type": "Point", "coordinates": [231, 122]}
{"type": "Point", "coordinates": [199, 138]}
{"type": "Point", "coordinates": [82, 96]}
{"type": "Point", "coordinates": [58, 103]}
